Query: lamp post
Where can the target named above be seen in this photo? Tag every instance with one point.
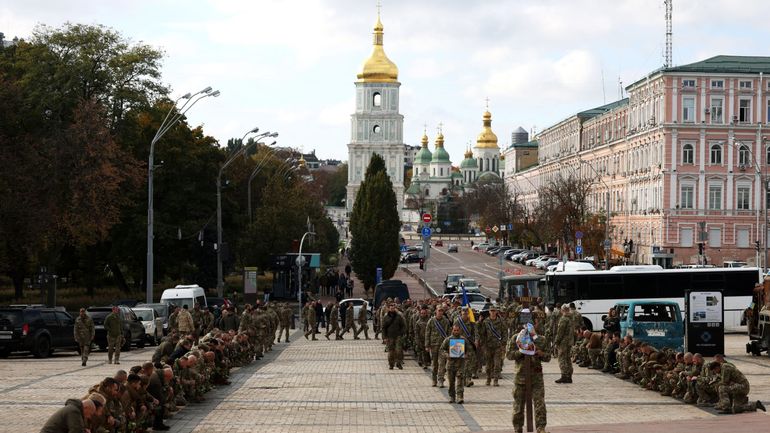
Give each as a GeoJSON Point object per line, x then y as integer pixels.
{"type": "Point", "coordinates": [237, 153]}
{"type": "Point", "coordinates": [168, 122]}
{"type": "Point", "coordinates": [300, 264]}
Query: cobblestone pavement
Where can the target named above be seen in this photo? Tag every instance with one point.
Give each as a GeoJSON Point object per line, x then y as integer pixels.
{"type": "Point", "coordinates": [345, 386]}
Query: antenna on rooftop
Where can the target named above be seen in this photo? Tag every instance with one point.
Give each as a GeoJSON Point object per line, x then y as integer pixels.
{"type": "Point", "coordinates": [668, 62]}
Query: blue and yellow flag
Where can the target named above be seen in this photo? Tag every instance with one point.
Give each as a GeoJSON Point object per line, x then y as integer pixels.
{"type": "Point", "coordinates": [468, 305]}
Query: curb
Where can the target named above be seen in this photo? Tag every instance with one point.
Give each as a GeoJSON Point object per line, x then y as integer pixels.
{"type": "Point", "coordinates": [428, 289]}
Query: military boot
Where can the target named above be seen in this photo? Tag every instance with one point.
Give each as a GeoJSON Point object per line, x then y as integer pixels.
{"type": "Point", "coordinates": [441, 383]}
{"type": "Point", "coordinates": [460, 398]}
{"type": "Point", "coordinates": [489, 381]}
{"type": "Point", "coordinates": [495, 383]}
{"type": "Point", "coordinates": [434, 382]}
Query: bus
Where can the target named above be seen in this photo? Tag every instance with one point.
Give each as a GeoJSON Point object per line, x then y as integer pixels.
{"type": "Point", "coordinates": [595, 292]}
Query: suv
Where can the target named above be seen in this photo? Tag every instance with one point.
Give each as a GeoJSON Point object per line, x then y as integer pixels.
{"type": "Point", "coordinates": [133, 330]}
{"type": "Point", "coordinates": [38, 330]}
{"type": "Point", "coordinates": [657, 323]}
{"type": "Point", "coordinates": [451, 282]}
{"type": "Point", "coordinates": [390, 289]}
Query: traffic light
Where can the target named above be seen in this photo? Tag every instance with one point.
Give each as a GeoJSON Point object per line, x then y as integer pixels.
{"type": "Point", "coordinates": [700, 248]}
{"type": "Point", "coordinates": [422, 263]}
{"type": "Point", "coordinates": [756, 245]}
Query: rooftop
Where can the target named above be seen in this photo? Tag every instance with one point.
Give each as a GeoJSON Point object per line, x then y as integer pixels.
{"type": "Point", "coordinates": [587, 114]}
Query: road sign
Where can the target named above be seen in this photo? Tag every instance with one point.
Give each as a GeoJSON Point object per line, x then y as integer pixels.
{"type": "Point", "coordinates": [495, 229]}
{"type": "Point", "coordinates": [578, 234]}
{"type": "Point", "coordinates": [379, 275]}
{"type": "Point", "coordinates": [404, 248]}
{"type": "Point", "coordinates": [488, 229]}
{"type": "Point", "coordinates": [510, 226]}
{"type": "Point", "coordinates": [426, 232]}
{"type": "Point", "coordinates": [607, 244]}
{"type": "Point", "coordinates": [503, 227]}
{"type": "Point", "coordinates": [579, 249]}
{"type": "Point", "coordinates": [580, 242]}
{"type": "Point", "coordinates": [427, 218]}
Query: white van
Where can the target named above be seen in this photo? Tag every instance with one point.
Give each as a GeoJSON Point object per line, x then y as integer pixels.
{"type": "Point", "coordinates": [185, 295]}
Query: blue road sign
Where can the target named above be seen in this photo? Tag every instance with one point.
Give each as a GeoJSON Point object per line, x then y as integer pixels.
{"type": "Point", "coordinates": [379, 275]}
{"type": "Point", "coordinates": [579, 249]}
{"type": "Point", "coordinates": [426, 232]}
{"type": "Point", "coordinates": [578, 234]}
{"type": "Point", "coordinates": [510, 227]}
{"type": "Point", "coordinates": [404, 248]}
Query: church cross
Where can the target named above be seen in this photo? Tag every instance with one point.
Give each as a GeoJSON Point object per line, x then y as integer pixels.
{"type": "Point", "coordinates": [487, 101]}
{"type": "Point", "coordinates": [440, 127]}
{"type": "Point", "coordinates": [379, 6]}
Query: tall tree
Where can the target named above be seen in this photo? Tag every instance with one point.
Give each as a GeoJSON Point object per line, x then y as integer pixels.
{"type": "Point", "coordinates": [374, 225]}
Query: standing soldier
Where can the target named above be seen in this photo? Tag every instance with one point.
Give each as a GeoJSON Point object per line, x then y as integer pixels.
{"type": "Point", "coordinates": [563, 340]}
{"type": "Point", "coordinates": [468, 329]}
{"type": "Point", "coordinates": [113, 325]}
{"type": "Point", "coordinates": [172, 318]}
{"type": "Point", "coordinates": [285, 314]}
{"type": "Point", "coordinates": [435, 333]}
{"type": "Point", "coordinates": [310, 322]}
{"type": "Point", "coordinates": [420, 345]}
{"type": "Point", "coordinates": [350, 322]}
{"type": "Point", "coordinates": [334, 321]}
{"type": "Point", "coordinates": [541, 354]}
{"type": "Point", "coordinates": [84, 334]}
{"type": "Point", "coordinates": [363, 324]}
{"type": "Point", "coordinates": [490, 336]}
{"type": "Point", "coordinates": [455, 362]}
{"type": "Point", "coordinates": [393, 328]}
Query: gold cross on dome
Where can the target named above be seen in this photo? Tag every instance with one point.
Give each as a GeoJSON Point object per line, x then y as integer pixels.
{"type": "Point", "coordinates": [379, 6]}
{"type": "Point", "coordinates": [440, 127]}
{"type": "Point", "coordinates": [425, 128]}
{"type": "Point", "coordinates": [487, 101]}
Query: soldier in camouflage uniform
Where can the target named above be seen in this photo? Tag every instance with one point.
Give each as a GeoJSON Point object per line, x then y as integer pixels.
{"type": "Point", "coordinates": [172, 318]}
{"type": "Point", "coordinates": [455, 366]}
{"type": "Point", "coordinates": [435, 332]}
{"type": "Point", "coordinates": [113, 325]}
{"type": "Point", "coordinates": [491, 338]}
{"type": "Point", "coordinates": [363, 325]}
{"type": "Point", "coordinates": [564, 339]}
{"type": "Point", "coordinates": [310, 320]}
{"type": "Point", "coordinates": [470, 334]}
{"type": "Point", "coordinates": [733, 389]}
{"type": "Point", "coordinates": [334, 321]}
{"type": "Point", "coordinates": [536, 371]}
{"type": "Point", "coordinates": [285, 324]}
{"type": "Point", "coordinates": [350, 322]}
{"type": "Point", "coordinates": [84, 335]}
{"type": "Point", "coordinates": [393, 329]}
{"type": "Point", "coordinates": [420, 346]}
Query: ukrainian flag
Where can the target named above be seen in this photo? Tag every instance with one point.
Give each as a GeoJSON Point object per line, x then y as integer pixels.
{"type": "Point", "coordinates": [468, 305]}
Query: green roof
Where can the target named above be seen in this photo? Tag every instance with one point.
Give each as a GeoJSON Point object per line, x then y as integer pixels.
{"type": "Point", "coordinates": [469, 163]}
{"type": "Point", "coordinates": [457, 174]}
{"type": "Point", "coordinates": [602, 109]}
{"type": "Point", "coordinates": [423, 156]}
{"type": "Point", "coordinates": [413, 189]}
{"type": "Point", "coordinates": [529, 144]}
{"type": "Point", "coordinates": [440, 155]}
{"type": "Point", "coordinates": [727, 64]}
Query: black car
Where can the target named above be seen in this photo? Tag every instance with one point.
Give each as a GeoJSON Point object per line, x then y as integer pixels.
{"type": "Point", "coordinates": [133, 330]}
{"type": "Point", "coordinates": [410, 258]}
{"type": "Point", "coordinates": [390, 289]}
{"type": "Point", "coordinates": [37, 330]}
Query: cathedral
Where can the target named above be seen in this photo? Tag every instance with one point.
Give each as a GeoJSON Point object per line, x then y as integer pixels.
{"type": "Point", "coordinates": [377, 127]}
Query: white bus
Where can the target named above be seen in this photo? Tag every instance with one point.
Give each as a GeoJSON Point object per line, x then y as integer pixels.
{"type": "Point", "coordinates": [595, 292]}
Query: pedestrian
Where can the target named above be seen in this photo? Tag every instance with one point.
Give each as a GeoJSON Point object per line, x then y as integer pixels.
{"type": "Point", "coordinates": [420, 346]}
{"type": "Point", "coordinates": [113, 325]}
{"type": "Point", "coordinates": [454, 350]}
{"type": "Point", "coordinates": [349, 287]}
{"type": "Point", "coordinates": [310, 321]}
{"type": "Point", "coordinates": [527, 344]}
{"type": "Point", "coordinates": [490, 337]}
{"type": "Point", "coordinates": [393, 328]}
{"type": "Point", "coordinates": [320, 317]}
{"type": "Point", "coordinates": [470, 335]}
{"type": "Point", "coordinates": [564, 339]}
{"type": "Point", "coordinates": [363, 324]}
{"type": "Point", "coordinates": [334, 323]}
{"type": "Point", "coordinates": [84, 335]}
{"type": "Point", "coordinates": [435, 332]}
{"type": "Point", "coordinates": [72, 418]}
{"type": "Point", "coordinates": [350, 321]}
{"type": "Point", "coordinates": [185, 322]}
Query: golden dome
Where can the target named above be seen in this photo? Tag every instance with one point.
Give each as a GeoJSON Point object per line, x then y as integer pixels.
{"type": "Point", "coordinates": [468, 154]}
{"type": "Point", "coordinates": [302, 161]}
{"type": "Point", "coordinates": [440, 140]}
{"type": "Point", "coordinates": [378, 68]}
{"type": "Point", "coordinates": [487, 139]}
{"type": "Point", "coordinates": [424, 140]}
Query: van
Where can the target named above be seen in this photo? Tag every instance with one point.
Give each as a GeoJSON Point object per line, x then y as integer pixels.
{"type": "Point", "coordinates": [657, 323]}
{"type": "Point", "coordinates": [185, 295]}
{"type": "Point", "coordinates": [390, 289]}
{"type": "Point", "coordinates": [734, 264]}
{"type": "Point", "coordinates": [574, 266]}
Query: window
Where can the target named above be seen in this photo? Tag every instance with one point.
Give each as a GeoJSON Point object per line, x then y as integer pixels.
{"type": "Point", "coordinates": [687, 197]}
{"type": "Point", "coordinates": [687, 154]}
{"type": "Point", "coordinates": [427, 192]}
{"type": "Point", "coordinates": [716, 110]}
{"type": "Point", "coordinates": [690, 84]}
{"type": "Point", "coordinates": [744, 157]}
{"type": "Point", "coordinates": [767, 156]}
{"type": "Point", "coordinates": [717, 84]}
{"type": "Point", "coordinates": [688, 109]}
{"type": "Point", "coordinates": [685, 236]}
{"type": "Point", "coordinates": [742, 238]}
{"type": "Point", "coordinates": [744, 84]}
{"type": "Point", "coordinates": [715, 237]}
{"type": "Point", "coordinates": [716, 154]}
{"type": "Point", "coordinates": [744, 198]}
{"type": "Point", "coordinates": [715, 197]}
{"type": "Point", "coordinates": [768, 111]}
{"type": "Point", "coordinates": [377, 99]}
{"type": "Point", "coordinates": [744, 110]}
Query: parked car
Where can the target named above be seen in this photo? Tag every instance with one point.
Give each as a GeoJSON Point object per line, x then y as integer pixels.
{"type": "Point", "coordinates": [501, 250]}
{"type": "Point", "coordinates": [153, 324]}
{"type": "Point", "coordinates": [470, 285]}
{"type": "Point", "coordinates": [439, 243]}
{"type": "Point", "coordinates": [451, 282]}
{"type": "Point", "coordinates": [533, 261]}
{"type": "Point", "coordinates": [133, 330]}
{"type": "Point", "coordinates": [452, 248]}
{"type": "Point", "coordinates": [162, 311]}
{"type": "Point", "coordinates": [510, 253]}
{"type": "Point", "coordinates": [540, 260]}
{"type": "Point", "coordinates": [357, 304]}
{"type": "Point", "coordinates": [491, 251]}
{"type": "Point", "coordinates": [38, 330]}
{"type": "Point", "coordinates": [544, 264]}
{"type": "Point", "coordinates": [482, 246]}
{"type": "Point", "coordinates": [523, 257]}
{"type": "Point", "coordinates": [410, 258]}
{"type": "Point", "coordinates": [182, 295]}
{"type": "Point", "coordinates": [476, 300]}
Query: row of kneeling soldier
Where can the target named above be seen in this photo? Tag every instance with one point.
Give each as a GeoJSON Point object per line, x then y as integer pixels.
{"type": "Point", "coordinates": [183, 368]}
{"type": "Point", "coordinates": [684, 376]}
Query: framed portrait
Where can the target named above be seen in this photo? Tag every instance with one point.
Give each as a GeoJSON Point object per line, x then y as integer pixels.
{"type": "Point", "coordinates": [457, 348]}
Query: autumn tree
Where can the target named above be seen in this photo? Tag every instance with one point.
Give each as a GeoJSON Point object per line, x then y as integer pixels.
{"type": "Point", "coordinates": [563, 207]}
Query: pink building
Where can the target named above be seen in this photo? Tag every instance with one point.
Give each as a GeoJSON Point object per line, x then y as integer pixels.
{"type": "Point", "coordinates": [679, 161]}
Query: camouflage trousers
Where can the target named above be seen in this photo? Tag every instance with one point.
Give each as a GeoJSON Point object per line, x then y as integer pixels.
{"type": "Point", "coordinates": [595, 357]}
{"type": "Point", "coordinates": [538, 403]}
{"type": "Point", "coordinates": [395, 351]}
{"type": "Point", "coordinates": [333, 328]}
{"type": "Point", "coordinates": [438, 364]}
{"type": "Point", "coordinates": [348, 326]}
{"type": "Point", "coordinates": [281, 330]}
{"type": "Point", "coordinates": [471, 358]}
{"type": "Point", "coordinates": [422, 355]}
{"type": "Point", "coordinates": [362, 327]}
{"type": "Point", "coordinates": [707, 390]}
{"type": "Point", "coordinates": [735, 397]}
{"type": "Point", "coordinates": [565, 363]}
{"type": "Point", "coordinates": [455, 370]}
{"type": "Point", "coordinates": [494, 361]}
{"type": "Point", "coordinates": [113, 347]}
{"type": "Point", "coordinates": [85, 350]}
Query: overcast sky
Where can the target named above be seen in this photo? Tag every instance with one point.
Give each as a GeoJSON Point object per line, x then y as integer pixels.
{"type": "Point", "coordinates": [289, 65]}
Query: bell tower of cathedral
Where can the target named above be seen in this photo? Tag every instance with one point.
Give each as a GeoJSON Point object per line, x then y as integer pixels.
{"type": "Point", "coordinates": [376, 126]}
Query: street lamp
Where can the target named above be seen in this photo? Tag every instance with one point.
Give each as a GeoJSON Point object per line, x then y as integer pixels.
{"type": "Point", "coordinates": [230, 159]}
{"type": "Point", "coordinates": [168, 122]}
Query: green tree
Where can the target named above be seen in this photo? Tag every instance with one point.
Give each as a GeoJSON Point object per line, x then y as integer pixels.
{"type": "Point", "coordinates": [374, 225]}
